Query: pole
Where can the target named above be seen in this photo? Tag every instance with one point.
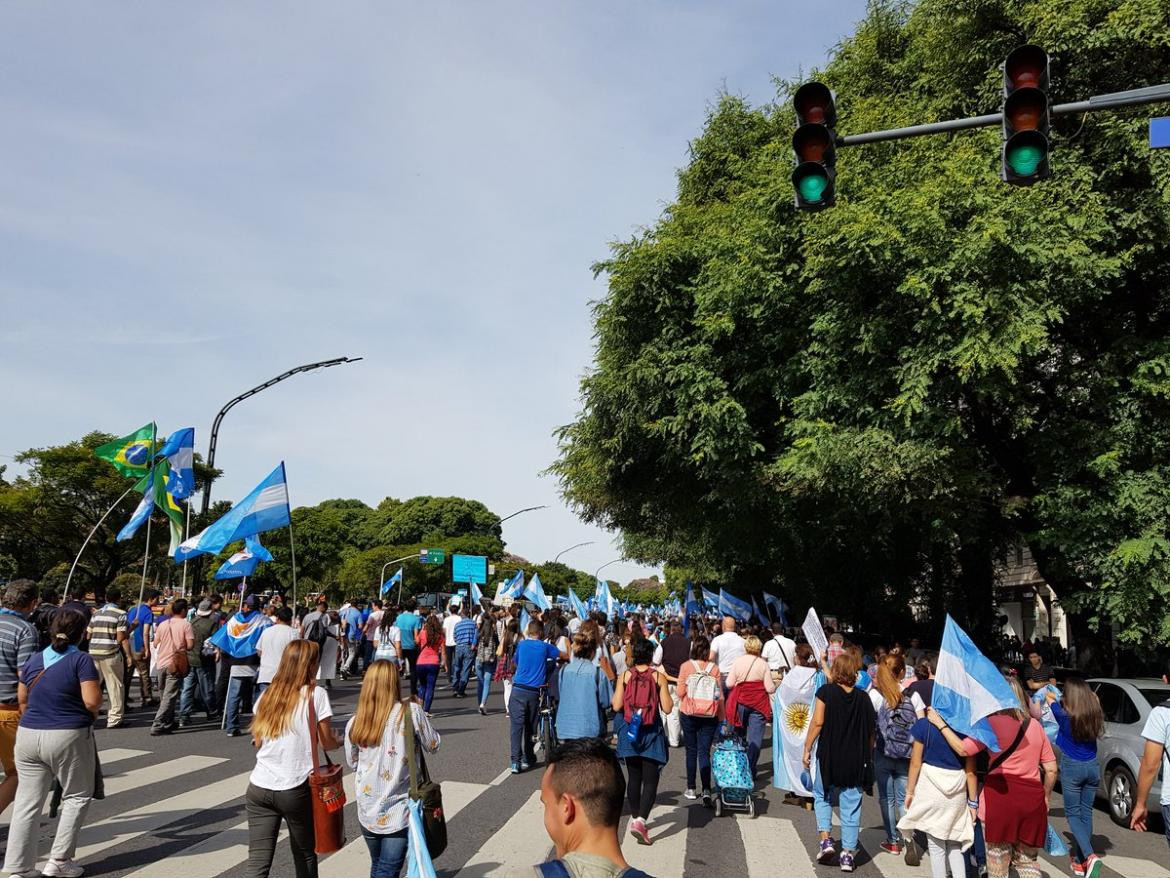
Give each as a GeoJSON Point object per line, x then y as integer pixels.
{"type": "Point", "coordinates": [1135, 97]}
{"type": "Point", "coordinates": [292, 551]}
{"type": "Point", "coordinates": [308, 367]}
{"type": "Point", "coordinates": [150, 515]}
{"type": "Point", "coordinates": [69, 578]}
{"type": "Point", "coordinates": [186, 536]}
{"type": "Point", "coordinates": [571, 548]}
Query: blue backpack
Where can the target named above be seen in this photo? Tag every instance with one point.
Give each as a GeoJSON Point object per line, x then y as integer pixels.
{"type": "Point", "coordinates": [894, 726]}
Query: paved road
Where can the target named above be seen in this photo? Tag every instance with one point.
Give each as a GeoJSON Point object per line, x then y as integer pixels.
{"type": "Point", "coordinates": [179, 799]}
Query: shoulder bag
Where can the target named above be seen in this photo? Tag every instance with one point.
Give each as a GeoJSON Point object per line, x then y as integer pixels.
{"type": "Point", "coordinates": [180, 665]}
{"type": "Point", "coordinates": [423, 789]}
{"type": "Point", "coordinates": [327, 794]}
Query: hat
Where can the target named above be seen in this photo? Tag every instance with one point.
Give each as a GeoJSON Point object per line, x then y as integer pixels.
{"type": "Point", "coordinates": [249, 602]}
{"type": "Point", "coordinates": [204, 608]}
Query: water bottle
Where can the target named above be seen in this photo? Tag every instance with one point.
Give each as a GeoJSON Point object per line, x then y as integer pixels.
{"type": "Point", "coordinates": [634, 725]}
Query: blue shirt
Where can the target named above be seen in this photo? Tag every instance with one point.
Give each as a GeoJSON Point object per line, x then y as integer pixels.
{"type": "Point", "coordinates": [55, 702]}
{"type": "Point", "coordinates": [1070, 747]}
{"type": "Point", "coordinates": [353, 623]}
{"type": "Point", "coordinates": [466, 634]}
{"type": "Point", "coordinates": [584, 692]}
{"type": "Point", "coordinates": [408, 624]}
{"type": "Point", "coordinates": [143, 616]}
{"type": "Point", "coordinates": [531, 670]}
{"type": "Point", "coordinates": [935, 749]}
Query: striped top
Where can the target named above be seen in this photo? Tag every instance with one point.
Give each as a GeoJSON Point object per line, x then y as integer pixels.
{"type": "Point", "coordinates": [466, 634]}
{"type": "Point", "coordinates": [104, 628]}
{"type": "Point", "coordinates": [18, 641]}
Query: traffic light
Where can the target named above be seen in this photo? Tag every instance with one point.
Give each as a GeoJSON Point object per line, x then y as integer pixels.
{"type": "Point", "coordinates": [814, 144]}
{"type": "Point", "coordinates": [1025, 117]}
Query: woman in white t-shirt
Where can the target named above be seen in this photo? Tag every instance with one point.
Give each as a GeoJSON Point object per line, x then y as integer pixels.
{"type": "Point", "coordinates": [279, 786]}
{"type": "Point", "coordinates": [388, 639]}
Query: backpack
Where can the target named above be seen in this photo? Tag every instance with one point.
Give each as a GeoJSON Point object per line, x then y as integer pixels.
{"type": "Point", "coordinates": [702, 698]}
{"type": "Point", "coordinates": [316, 631]}
{"type": "Point", "coordinates": [642, 694]}
{"type": "Point", "coordinates": [894, 725]}
{"type": "Point", "coordinates": [556, 869]}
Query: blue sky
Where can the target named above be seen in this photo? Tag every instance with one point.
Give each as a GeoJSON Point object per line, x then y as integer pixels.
{"type": "Point", "coordinates": [196, 197]}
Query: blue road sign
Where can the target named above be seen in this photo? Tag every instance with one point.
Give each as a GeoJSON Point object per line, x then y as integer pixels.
{"type": "Point", "coordinates": [1160, 133]}
{"type": "Point", "coordinates": [469, 568]}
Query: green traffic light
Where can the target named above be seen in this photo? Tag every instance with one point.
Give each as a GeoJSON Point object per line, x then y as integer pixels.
{"type": "Point", "coordinates": [1025, 159]}
{"type": "Point", "coordinates": [812, 187]}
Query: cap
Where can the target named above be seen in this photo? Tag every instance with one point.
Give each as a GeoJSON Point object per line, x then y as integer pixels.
{"type": "Point", "coordinates": [204, 608]}
{"type": "Point", "coordinates": [249, 601]}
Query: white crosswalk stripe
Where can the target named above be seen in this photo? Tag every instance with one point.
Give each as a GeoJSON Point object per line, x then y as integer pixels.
{"type": "Point", "coordinates": [519, 841]}
{"type": "Point", "coordinates": [772, 841]}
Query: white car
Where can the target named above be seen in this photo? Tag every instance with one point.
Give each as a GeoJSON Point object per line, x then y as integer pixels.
{"type": "Point", "coordinates": [1127, 704]}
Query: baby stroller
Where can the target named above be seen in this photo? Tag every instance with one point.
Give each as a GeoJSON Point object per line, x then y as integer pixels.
{"type": "Point", "coordinates": [733, 776]}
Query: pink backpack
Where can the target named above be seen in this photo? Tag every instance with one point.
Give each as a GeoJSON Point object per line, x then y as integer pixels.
{"type": "Point", "coordinates": [702, 698]}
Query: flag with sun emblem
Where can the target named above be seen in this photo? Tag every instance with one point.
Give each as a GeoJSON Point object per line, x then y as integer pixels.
{"type": "Point", "coordinates": [131, 455]}
{"type": "Point", "coordinates": [792, 712]}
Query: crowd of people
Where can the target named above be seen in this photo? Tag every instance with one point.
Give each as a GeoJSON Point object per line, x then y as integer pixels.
{"type": "Point", "coordinates": [588, 696]}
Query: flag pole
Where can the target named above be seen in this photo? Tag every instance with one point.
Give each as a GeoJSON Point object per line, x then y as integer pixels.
{"type": "Point", "coordinates": [292, 548]}
{"type": "Point", "coordinates": [150, 487]}
{"type": "Point", "coordinates": [69, 578]}
{"type": "Point", "coordinates": [186, 536]}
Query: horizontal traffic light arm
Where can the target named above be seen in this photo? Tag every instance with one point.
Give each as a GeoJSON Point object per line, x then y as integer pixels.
{"type": "Point", "coordinates": [1154, 94]}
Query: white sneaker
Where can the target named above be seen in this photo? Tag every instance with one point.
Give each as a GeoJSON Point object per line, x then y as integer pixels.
{"type": "Point", "coordinates": [62, 869]}
{"type": "Point", "coordinates": [690, 794]}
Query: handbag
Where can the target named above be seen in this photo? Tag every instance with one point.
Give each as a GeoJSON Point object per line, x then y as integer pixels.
{"type": "Point", "coordinates": [425, 790]}
{"type": "Point", "coordinates": [327, 795]}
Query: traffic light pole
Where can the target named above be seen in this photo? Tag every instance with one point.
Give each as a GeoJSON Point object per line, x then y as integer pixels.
{"type": "Point", "coordinates": [1154, 94]}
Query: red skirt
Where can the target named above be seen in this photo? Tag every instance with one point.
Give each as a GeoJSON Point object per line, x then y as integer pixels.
{"type": "Point", "coordinates": [1015, 811]}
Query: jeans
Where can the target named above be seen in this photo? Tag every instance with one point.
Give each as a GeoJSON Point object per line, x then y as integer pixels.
{"type": "Point", "coordinates": [848, 803]}
{"type": "Point", "coordinates": [698, 734]}
{"type": "Point", "coordinates": [522, 711]}
{"type": "Point", "coordinates": [427, 675]}
{"type": "Point", "coordinates": [43, 755]}
{"type": "Point", "coordinates": [484, 682]}
{"type": "Point", "coordinates": [890, 775]}
{"type": "Point", "coordinates": [200, 682]}
{"type": "Point", "coordinates": [754, 720]}
{"type": "Point", "coordinates": [239, 694]}
{"type": "Point", "coordinates": [461, 673]}
{"type": "Point", "coordinates": [1078, 782]}
{"type": "Point", "coordinates": [265, 809]}
{"type": "Point", "coordinates": [387, 853]}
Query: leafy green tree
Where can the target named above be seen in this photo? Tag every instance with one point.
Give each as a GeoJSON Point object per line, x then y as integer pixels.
{"type": "Point", "coordinates": [430, 518]}
{"type": "Point", "coordinates": [870, 404]}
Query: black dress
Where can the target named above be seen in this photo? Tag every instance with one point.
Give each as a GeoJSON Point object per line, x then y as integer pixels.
{"type": "Point", "coordinates": [843, 746]}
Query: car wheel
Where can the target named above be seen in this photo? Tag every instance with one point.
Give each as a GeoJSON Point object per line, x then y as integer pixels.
{"type": "Point", "coordinates": [1122, 788]}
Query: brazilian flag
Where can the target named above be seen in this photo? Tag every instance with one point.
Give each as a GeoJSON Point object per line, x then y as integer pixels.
{"type": "Point", "coordinates": [131, 455]}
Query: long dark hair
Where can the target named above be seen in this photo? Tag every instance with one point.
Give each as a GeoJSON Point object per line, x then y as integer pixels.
{"type": "Point", "coordinates": [433, 628]}
{"type": "Point", "coordinates": [1086, 720]}
{"type": "Point", "coordinates": [388, 617]}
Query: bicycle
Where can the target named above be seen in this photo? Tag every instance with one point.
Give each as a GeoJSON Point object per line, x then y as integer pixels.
{"type": "Point", "coordinates": [546, 727]}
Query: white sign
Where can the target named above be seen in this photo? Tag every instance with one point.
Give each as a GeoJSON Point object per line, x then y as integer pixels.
{"type": "Point", "coordinates": [815, 635]}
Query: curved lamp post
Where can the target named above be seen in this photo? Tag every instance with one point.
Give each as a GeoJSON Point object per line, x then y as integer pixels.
{"type": "Point", "coordinates": [571, 548]}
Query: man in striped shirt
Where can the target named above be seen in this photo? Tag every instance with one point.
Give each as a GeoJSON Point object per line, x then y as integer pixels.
{"type": "Point", "coordinates": [18, 641]}
{"type": "Point", "coordinates": [466, 636]}
{"type": "Point", "coordinates": [109, 646]}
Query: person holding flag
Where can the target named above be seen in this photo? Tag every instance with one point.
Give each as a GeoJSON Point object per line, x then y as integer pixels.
{"type": "Point", "coordinates": [236, 642]}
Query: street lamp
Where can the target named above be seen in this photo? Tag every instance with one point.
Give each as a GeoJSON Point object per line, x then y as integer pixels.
{"type": "Point", "coordinates": [571, 548]}
{"type": "Point", "coordinates": [606, 564]}
{"type": "Point", "coordinates": [382, 578]}
{"type": "Point", "coordinates": [518, 512]}
{"type": "Point", "coordinates": [308, 367]}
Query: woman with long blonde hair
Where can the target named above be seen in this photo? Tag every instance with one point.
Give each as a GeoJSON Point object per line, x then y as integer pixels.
{"type": "Point", "coordinates": [375, 748]}
{"type": "Point", "coordinates": [279, 786]}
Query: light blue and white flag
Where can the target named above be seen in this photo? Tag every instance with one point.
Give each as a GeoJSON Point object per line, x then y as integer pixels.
{"type": "Point", "coordinates": [418, 857]}
{"type": "Point", "coordinates": [238, 638]}
{"type": "Point", "coordinates": [179, 451]}
{"type": "Point", "coordinates": [968, 687]}
{"type": "Point", "coordinates": [141, 513]}
{"type": "Point", "coordinates": [578, 607]}
{"type": "Point", "coordinates": [730, 605]}
{"type": "Point", "coordinates": [524, 620]}
{"type": "Point", "coordinates": [535, 593]}
{"type": "Point", "coordinates": [759, 614]}
{"type": "Point", "coordinates": [245, 561]}
{"type": "Point", "coordinates": [605, 601]}
{"type": "Point", "coordinates": [692, 610]}
{"type": "Point", "coordinates": [266, 508]}
{"type": "Point", "coordinates": [476, 594]}
{"type": "Point", "coordinates": [711, 599]}
{"type": "Point", "coordinates": [514, 587]}
{"type": "Point", "coordinates": [776, 604]}
{"type": "Point", "coordinates": [394, 580]}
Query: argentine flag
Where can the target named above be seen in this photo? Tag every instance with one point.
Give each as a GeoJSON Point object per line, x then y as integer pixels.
{"type": "Point", "coordinates": [605, 601]}
{"type": "Point", "coordinates": [968, 687]}
{"type": "Point", "coordinates": [245, 561]}
{"type": "Point", "coordinates": [578, 607]}
{"type": "Point", "coordinates": [476, 594]}
{"type": "Point", "coordinates": [776, 604]}
{"type": "Point", "coordinates": [266, 508]}
{"type": "Point", "coordinates": [392, 581]}
{"type": "Point", "coordinates": [142, 512]}
{"type": "Point", "coordinates": [535, 593]}
{"type": "Point", "coordinates": [711, 599]}
{"type": "Point", "coordinates": [179, 451]}
{"type": "Point", "coordinates": [730, 605]}
{"type": "Point", "coordinates": [238, 638]}
{"type": "Point", "coordinates": [514, 587]}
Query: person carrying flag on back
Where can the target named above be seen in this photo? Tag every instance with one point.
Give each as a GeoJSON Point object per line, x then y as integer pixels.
{"type": "Point", "coordinates": [236, 642]}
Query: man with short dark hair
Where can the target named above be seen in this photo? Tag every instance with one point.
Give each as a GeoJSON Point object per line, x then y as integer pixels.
{"type": "Point", "coordinates": [582, 790]}
{"type": "Point", "coordinates": [18, 642]}
{"type": "Point", "coordinates": [109, 647]}
{"type": "Point", "coordinates": [408, 623]}
{"type": "Point", "coordinates": [172, 642]}
{"type": "Point", "coordinates": [200, 682]}
{"type": "Point", "coordinates": [466, 639]}
{"type": "Point", "coordinates": [141, 624]}
{"type": "Point", "coordinates": [43, 614]}
{"type": "Point", "coordinates": [1037, 674]}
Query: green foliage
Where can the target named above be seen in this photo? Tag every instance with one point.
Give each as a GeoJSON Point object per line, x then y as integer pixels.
{"type": "Point", "coordinates": [868, 404]}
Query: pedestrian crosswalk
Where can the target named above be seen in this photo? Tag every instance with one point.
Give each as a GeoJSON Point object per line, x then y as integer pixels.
{"type": "Point", "coordinates": [189, 813]}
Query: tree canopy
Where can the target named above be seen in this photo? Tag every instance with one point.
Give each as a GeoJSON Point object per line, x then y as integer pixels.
{"type": "Point", "coordinates": [867, 405]}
